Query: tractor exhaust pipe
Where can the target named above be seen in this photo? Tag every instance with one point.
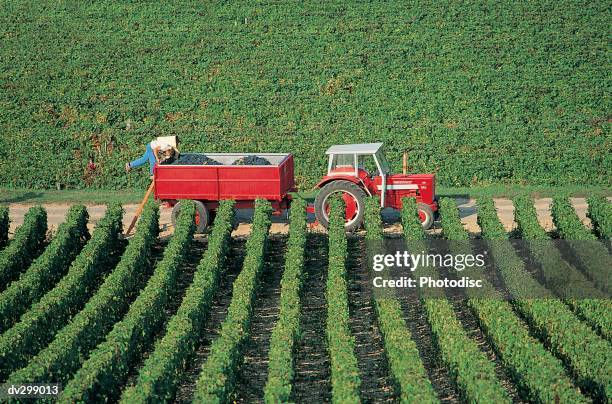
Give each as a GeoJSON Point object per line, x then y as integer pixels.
{"type": "Point", "coordinates": [405, 163]}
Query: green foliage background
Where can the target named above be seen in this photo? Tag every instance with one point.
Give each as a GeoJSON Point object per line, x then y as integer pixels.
{"type": "Point", "coordinates": [478, 92]}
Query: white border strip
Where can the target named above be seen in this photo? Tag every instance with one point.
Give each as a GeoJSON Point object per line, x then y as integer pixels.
{"type": "Point", "coordinates": [399, 187]}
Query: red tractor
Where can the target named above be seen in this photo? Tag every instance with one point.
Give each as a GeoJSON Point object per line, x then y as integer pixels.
{"type": "Point", "coordinates": [359, 170]}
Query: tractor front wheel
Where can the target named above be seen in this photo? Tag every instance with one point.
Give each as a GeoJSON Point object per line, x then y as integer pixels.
{"type": "Point", "coordinates": [426, 215]}
{"type": "Point", "coordinates": [354, 201]}
{"type": "Point", "coordinates": [201, 216]}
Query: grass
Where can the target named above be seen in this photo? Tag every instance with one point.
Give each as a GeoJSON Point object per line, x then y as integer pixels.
{"type": "Point", "coordinates": [478, 92]}
{"type": "Point", "coordinates": [513, 190]}
{"type": "Point", "coordinates": [90, 196]}
{"type": "Point", "coordinates": [103, 196]}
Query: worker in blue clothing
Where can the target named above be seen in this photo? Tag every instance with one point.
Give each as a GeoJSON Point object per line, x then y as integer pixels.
{"type": "Point", "coordinates": [157, 152]}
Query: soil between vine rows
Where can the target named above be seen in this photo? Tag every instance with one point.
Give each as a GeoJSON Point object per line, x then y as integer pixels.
{"type": "Point", "coordinates": [312, 367]}
{"type": "Point", "coordinates": [376, 383]}
{"type": "Point", "coordinates": [420, 330]}
{"type": "Point", "coordinates": [531, 264]}
{"type": "Point", "coordinates": [186, 272]}
{"type": "Point", "coordinates": [471, 326]}
{"type": "Point", "coordinates": [416, 320]}
{"type": "Point", "coordinates": [157, 252]}
{"type": "Point", "coordinates": [568, 255]}
{"type": "Point", "coordinates": [217, 315]}
{"type": "Point", "coordinates": [252, 376]}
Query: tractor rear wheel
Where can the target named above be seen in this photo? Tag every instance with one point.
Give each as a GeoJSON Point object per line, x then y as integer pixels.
{"type": "Point", "coordinates": [201, 217]}
{"type": "Point", "coordinates": [354, 200]}
{"type": "Point", "coordinates": [426, 215]}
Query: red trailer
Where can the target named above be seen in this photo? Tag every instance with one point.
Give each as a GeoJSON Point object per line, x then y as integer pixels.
{"type": "Point", "coordinates": [208, 184]}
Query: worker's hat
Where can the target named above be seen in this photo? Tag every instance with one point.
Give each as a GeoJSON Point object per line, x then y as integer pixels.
{"type": "Point", "coordinates": [169, 142]}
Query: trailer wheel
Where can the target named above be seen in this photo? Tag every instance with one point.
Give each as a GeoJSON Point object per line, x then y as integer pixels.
{"type": "Point", "coordinates": [354, 199]}
{"type": "Point", "coordinates": [201, 218]}
{"type": "Point", "coordinates": [426, 215]}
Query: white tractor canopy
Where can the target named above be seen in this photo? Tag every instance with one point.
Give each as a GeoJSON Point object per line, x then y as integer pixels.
{"type": "Point", "coordinates": [359, 148]}
{"type": "Point", "coordinates": [348, 156]}
{"type": "Point", "coordinates": [346, 160]}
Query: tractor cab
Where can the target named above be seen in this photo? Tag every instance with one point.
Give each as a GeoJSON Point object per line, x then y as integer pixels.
{"type": "Point", "coordinates": [364, 162]}
{"type": "Point", "coordinates": [359, 170]}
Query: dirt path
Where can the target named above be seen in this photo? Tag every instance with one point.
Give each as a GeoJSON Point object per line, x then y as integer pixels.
{"type": "Point", "coordinates": [57, 212]}
{"type": "Point", "coordinates": [468, 211]}
{"type": "Point", "coordinates": [467, 208]}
